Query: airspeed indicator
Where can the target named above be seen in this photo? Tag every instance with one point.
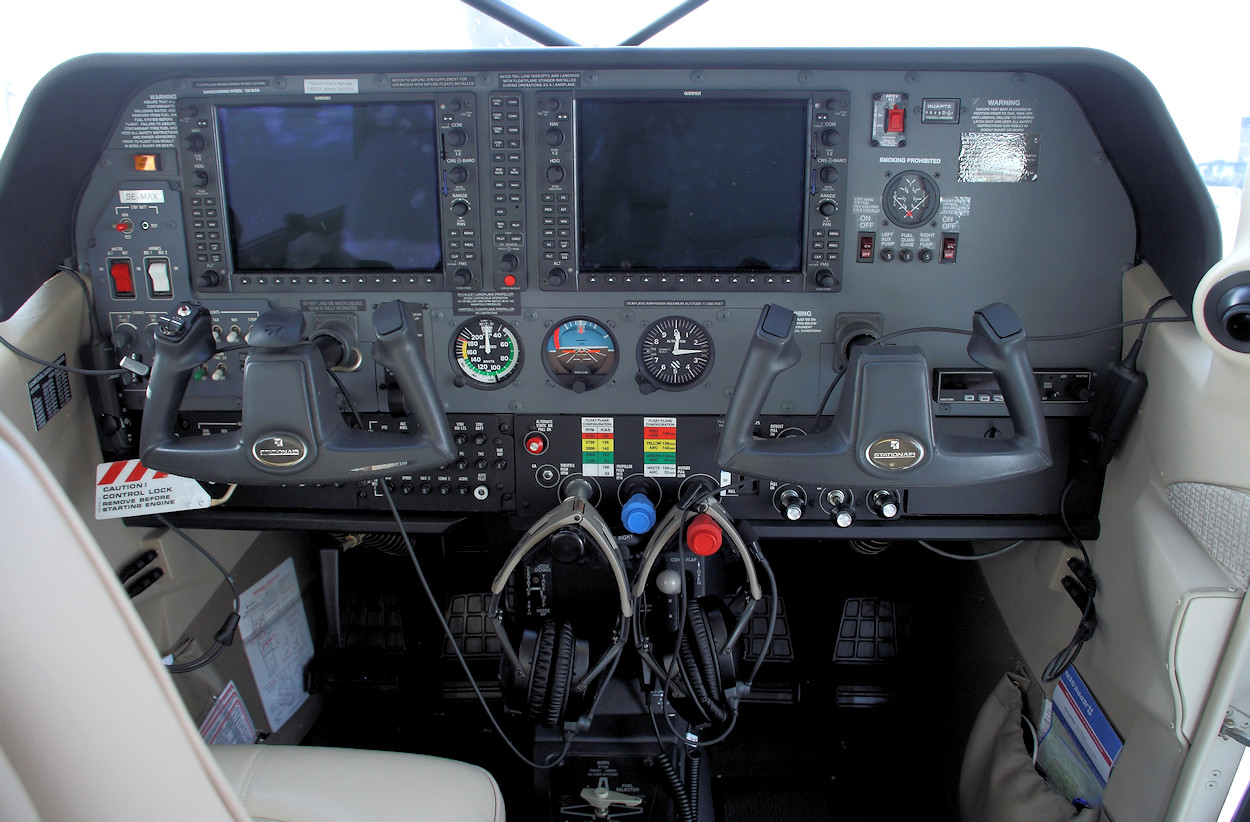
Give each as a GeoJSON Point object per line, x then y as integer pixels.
{"type": "Point", "coordinates": [486, 352]}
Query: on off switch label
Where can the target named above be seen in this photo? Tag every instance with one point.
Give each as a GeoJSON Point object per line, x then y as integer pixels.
{"type": "Point", "coordinates": [659, 446]}
{"type": "Point", "coordinates": [598, 446]}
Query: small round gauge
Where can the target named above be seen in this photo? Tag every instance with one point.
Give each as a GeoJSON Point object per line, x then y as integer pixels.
{"type": "Point", "coordinates": [910, 199]}
{"type": "Point", "coordinates": [579, 353]}
{"type": "Point", "coordinates": [486, 352]}
{"type": "Point", "coordinates": [675, 353]}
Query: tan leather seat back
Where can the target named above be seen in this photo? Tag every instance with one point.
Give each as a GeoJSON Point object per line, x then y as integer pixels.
{"type": "Point", "coordinates": [91, 727]}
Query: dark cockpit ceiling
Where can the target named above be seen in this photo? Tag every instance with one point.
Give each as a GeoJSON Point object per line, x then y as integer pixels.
{"type": "Point", "coordinates": [615, 222]}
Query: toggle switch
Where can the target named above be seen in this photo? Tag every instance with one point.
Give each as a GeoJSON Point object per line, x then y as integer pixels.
{"type": "Point", "coordinates": [158, 278]}
{"type": "Point", "coordinates": [122, 274]}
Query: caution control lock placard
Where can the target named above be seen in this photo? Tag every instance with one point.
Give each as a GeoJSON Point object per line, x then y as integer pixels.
{"type": "Point", "coordinates": [128, 488]}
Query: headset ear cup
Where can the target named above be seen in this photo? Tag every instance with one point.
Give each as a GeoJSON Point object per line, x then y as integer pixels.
{"type": "Point", "coordinates": [540, 670]}
{"type": "Point", "coordinates": [561, 677]}
{"type": "Point", "coordinates": [698, 659]}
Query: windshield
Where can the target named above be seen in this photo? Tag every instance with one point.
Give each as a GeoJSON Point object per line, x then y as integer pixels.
{"type": "Point", "coordinates": [1200, 79]}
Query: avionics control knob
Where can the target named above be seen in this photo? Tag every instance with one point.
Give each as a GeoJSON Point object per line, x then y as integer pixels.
{"type": "Point", "coordinates": [509, 263]}
{"type": "Point", "coordinates": [458, 174]}
{"type": "Point", "coordinates": [462, 277]}
{"type": "Point", "coordinates": [199, 179]}
{"type": "Point", "coordinates": [884, 504]}
{"type": "Point", "coordinates": [825, 278]}
{"type": "Point", "coordinates": [457, 138]}
{"type": "Point", "coordinates": [557, 277]}
{"type": "Point", "coordinates": [209, 279]}
{"type": "Point", "coordinates": [791, 503]}
{"type": "Point", "coordinates": [459, 208]}
{"type": "Point", "coordinates": [830, 137]}
{"type": "Point", "coordinates": [194, 142]}
{"type": "Point", "coordinates": [555, 174]}
{"type": "Point", "coordinates": [828, 208]}
{"type": "Point", "coordinates": [829, 174]}
{"type": "Point", "coordinates": [554, 137]}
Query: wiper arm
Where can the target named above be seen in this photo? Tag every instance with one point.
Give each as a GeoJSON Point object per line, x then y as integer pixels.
{"type": "Point", "coordinates": [522, 23]}
{"type": "Point", "coordinates": [662, 22]}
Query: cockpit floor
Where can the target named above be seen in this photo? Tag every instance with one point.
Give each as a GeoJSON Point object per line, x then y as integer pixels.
{"type": "Point", "coordinates": [868, 738]}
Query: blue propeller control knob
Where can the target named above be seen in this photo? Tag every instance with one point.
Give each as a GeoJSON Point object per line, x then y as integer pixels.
{"type": "Point", "coordinates": [638, 514]}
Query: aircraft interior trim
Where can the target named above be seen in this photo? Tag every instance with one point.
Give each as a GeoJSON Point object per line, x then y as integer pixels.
{"type": "Point", "coordinates": [605, 433]}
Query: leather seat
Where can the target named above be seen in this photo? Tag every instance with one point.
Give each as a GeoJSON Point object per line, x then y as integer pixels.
{"type": "Point", "coordinates": [92, 727]}
{"type": "Point", "coordinates": [329, 784]}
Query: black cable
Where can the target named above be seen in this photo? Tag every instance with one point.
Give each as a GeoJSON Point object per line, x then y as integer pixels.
{"type": "Point", "coordinates": [774, 606]}
{"type": "Point", "coordinates": [225, 634]}
{"type": "Point", "coordinates": [687, 739]}
{"type": "Point", "coordinates": [998, 552]}
{"type": "Point", "coordinates": [442, 620]}
{"type": "Point", "coordinates": [1117, 327]}
{"type": "Point", "coordinates": [86, 294]}
{"type": "Point", "coordinates": [234, 591]}
{"type": "Point", "coordinates": [86, 372]}
{"type": "Point", "coordinates": [1089, 620]}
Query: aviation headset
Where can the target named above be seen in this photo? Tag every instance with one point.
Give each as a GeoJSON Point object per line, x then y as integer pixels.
{"type": "Point", "coordinates": [549, 672]}
{"type": "Point", "coordinates": [708, 655]}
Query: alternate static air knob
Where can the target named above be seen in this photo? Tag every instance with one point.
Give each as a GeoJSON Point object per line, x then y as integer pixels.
{"type": "Point", "coordinates": [638, 514]}
{"type": "Point", "coordinates": [704, 536]}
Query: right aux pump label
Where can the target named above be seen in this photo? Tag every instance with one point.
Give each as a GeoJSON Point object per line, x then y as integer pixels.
{"type": "Point", "coordinates": [1005, 146]}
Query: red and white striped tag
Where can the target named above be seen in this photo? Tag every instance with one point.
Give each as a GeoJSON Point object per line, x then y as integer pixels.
{"type": "Point", "coordinates": [128, 488]}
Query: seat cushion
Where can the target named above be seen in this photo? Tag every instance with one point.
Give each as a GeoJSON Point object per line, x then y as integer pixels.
{"type": "Point", "coordinates": [285, 783]}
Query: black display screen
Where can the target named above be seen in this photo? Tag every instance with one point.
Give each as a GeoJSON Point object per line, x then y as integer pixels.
{"type": "Point", "coordinates": [332, 187]}
{"type": "Point", "coordinates": [701, 185]}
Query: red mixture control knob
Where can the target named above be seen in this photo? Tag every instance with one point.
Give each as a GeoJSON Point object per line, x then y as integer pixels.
{"type": "Point", "coordinates": [704, 535]}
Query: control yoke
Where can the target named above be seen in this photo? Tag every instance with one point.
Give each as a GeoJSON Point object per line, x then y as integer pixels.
{"type": "Point", "coordinates": [883, 428]}
{"type": "Point", "coordinates": [292, 427]}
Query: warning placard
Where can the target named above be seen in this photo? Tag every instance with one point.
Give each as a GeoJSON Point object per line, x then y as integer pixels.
{"type": "Point", "coordinates": [128, 488]}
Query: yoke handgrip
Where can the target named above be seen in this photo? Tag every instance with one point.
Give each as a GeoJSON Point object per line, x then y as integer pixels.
{"type": "Point", "coordinates": [292, 427]}
{"type": "Point", "coordinates": [884, 428]}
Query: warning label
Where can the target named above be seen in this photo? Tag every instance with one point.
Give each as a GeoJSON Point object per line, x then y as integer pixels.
{"type": "Point", "coordinates": [129, 488]}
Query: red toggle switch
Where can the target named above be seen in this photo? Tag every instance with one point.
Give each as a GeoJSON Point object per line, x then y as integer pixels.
{"type": "Point", "coordinates": [704, 535]}
{"type": "Point", "coordinates": [894, 119]}
{"type": "Point", "coordinates": [123, 276]}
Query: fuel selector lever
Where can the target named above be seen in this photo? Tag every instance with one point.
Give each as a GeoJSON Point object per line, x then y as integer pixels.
{"type": "Point", "coordinates": [292, 427]}
{"type": "Point", "coordinates": [883, 429]}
